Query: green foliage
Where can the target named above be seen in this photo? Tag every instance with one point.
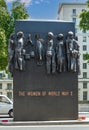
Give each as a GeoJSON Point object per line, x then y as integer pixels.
{"type": "Point", "coordinates": [3, 3]}
{"type": "Point", "coordinates": [86, 57]}
{"type": "Point", "coordinates": [5, 30]}
{"type": "Point", "coordinates": [7, 20]}
{"type": "Point", "coordinates": [84, 25]}
{"type": "Point", "coordinates": [3, 53]}
{"type": "Point", "coordinates": [84, 19]}
{"type": "Point", "coordinates": [88, 3]}
{"type": "Point", "coordinates": [19, 11]}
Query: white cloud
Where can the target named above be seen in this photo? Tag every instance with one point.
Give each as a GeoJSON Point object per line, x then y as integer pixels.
{"type": "Point", "coordinates": [23, 1]}
{"type": "Point", "coordinates": [29, 2]}
{"type": "Point", "coordinates": [40, 1]}
{"type": "Point", "coordinates": [9, 1]}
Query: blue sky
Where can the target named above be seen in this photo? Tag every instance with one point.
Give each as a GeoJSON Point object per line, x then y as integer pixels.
{"type": "Point", "coordinates": [43, 9]}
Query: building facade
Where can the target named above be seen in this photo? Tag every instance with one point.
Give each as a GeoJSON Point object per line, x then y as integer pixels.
{"type": "Point", "coordinates": [71, 12]}
{"type": "Point", "coordinates": [6, 84]}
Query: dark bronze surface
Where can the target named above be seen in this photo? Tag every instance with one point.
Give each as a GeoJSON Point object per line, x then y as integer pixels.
{"type": "Point", "coordinates": [33, 97]}
{"type": "Point", "coordinates": [39, 96]}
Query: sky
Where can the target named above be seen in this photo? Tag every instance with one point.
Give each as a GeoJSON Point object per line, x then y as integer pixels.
{"type": "Point", "coordinates": [42, 9]}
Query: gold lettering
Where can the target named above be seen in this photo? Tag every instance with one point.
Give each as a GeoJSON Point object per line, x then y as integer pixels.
{"type": "Point", "coordinates": [46, 93]}
{"type": "Point", "coordinates": [54, 93]}
{"type": "Point", "coordinates": [71, 93]}
{"type": "Point", "coordinates": [43, 93]}
{"type": "Point", "coordinates": [21, 93]}
{"type": "Point", "coordinates": [34, 93]}
{"type": "Point", "coordinates": [64, 93]}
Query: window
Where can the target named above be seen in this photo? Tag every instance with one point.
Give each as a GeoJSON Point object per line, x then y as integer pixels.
{"type": "Point", "coordinates": [74, 11]}
{"type": "Point", "coordinates": [84, 65]}
{"type": "Point", "coordinates": [84, 39]}
{"type": "Point", "coordinates": [0, 86]}
{"type": "Point", "coordinates": [0, 75]}
{"type": "Point", "coordinates": [84, 84]}
{"type": "Point", "coordinates": [9, 94]}
{"type": "Point", "coordinates": [74, 20]}
{"type": "Point", "coordinates": [85, 96]}
{"type": "Point", "coordinates": [83, 10]}
{"type": "Point", "coordinates": [83, 31]}
{"type": "Point", "coordinates": [9, 76]}
{"type": "Point", "coordinates": [9, 86]}
{"type": "Point", "coordinates": [84, 57]}
{"type": "Point", "coordinates": [84, 47]}
{"type": "Point", "coordinates": [84, 74]}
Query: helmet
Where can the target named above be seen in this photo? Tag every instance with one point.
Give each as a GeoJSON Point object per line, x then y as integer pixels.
{"type": "Point", "coordinates": [70, 33]}
{"type": "Point", "coordinates": [60, 36]}
{"type": "Point", "coordinates": [12, 36]}
{"type": "Point", "coordinates": [50, 34]}
{"type": "Point", "coordinates": [29, 35]}
{"type": "Point", "coordinates": [20, 34]}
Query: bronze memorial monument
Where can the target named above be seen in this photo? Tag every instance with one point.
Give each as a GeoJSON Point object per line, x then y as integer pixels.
{"type": "Point", "coordinates": [44, 63]}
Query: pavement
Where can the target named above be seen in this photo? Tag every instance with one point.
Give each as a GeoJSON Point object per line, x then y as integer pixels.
{"type": "Point", "coordinates": [82, 119]}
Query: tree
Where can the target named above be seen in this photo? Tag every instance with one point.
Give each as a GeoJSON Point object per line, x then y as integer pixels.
{"type": "Point", "coordinates": [7, 20]}
{"type": "Point", "coordinates": [4, 33]}
{"type": "Point", "coordinates": [3, 3]}
{"type": "Point", "coordinates": [86, 57]}
{"type": "Point", "coordinates": [3, 54]}
{"type": "Point", "coordinates": [19, 11]}
{"type": "Point", "coordinates": [84, 25]}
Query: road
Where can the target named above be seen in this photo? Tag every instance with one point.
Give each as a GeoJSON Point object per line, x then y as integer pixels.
{"type": "Point", "coordinates": [80, 124]}
{"type": "Point", "coordinates": [82, 116]}
{"type": "Point", "coordinates": [47, 127]}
